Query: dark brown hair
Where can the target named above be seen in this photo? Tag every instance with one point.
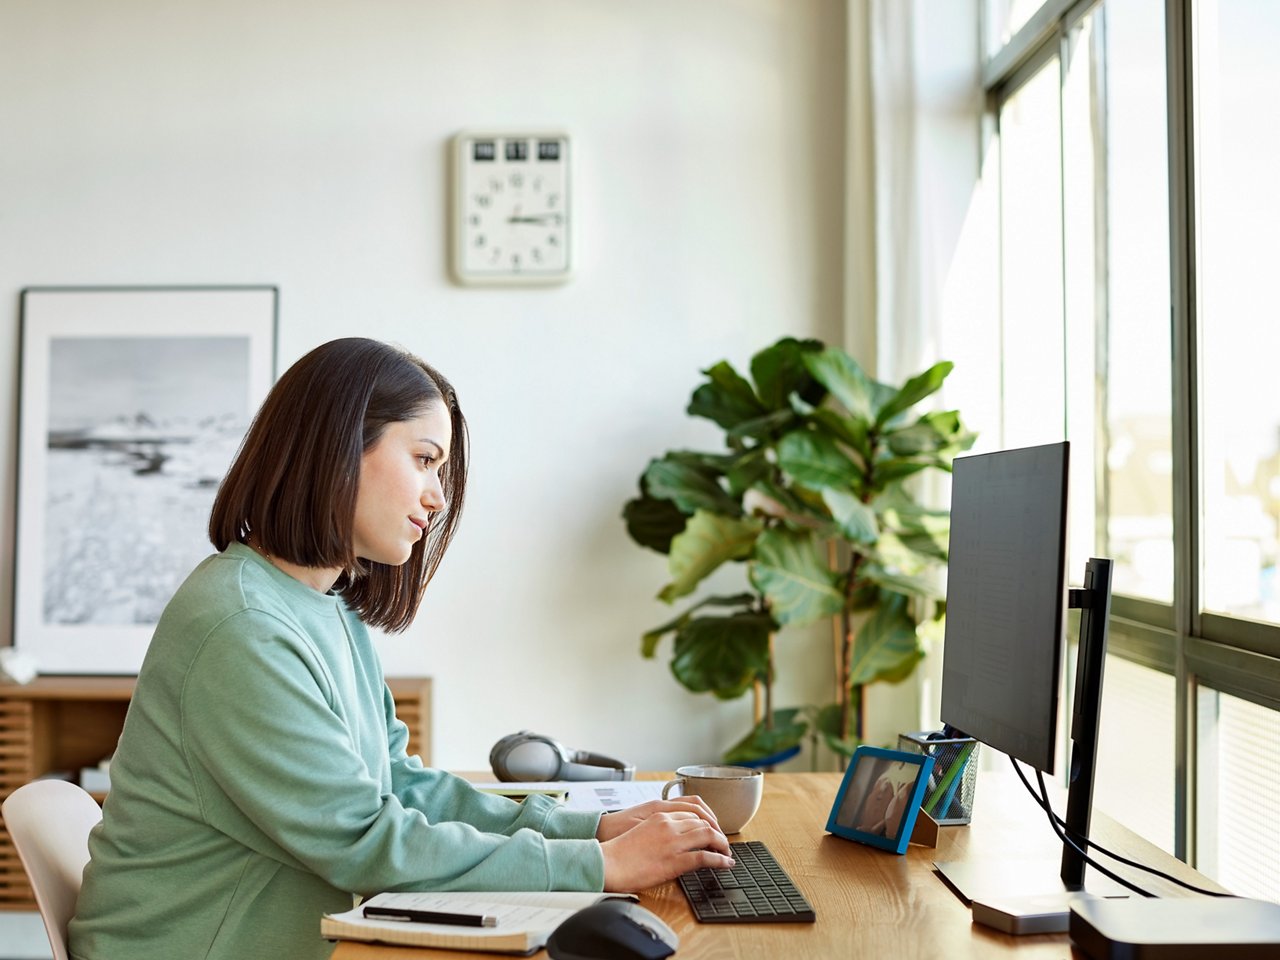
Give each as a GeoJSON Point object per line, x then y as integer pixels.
{"type": "Point", "coordinates": [293, 483]}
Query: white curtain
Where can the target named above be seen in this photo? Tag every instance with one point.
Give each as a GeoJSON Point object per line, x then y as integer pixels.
{"type": "Point", "coordinates": [919, 259]}
{"type": "Point", "coordinates": [914, 149]}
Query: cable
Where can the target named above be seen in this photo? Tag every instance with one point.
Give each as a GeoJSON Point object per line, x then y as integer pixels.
{"type": "Point", "coordinates": [1093, 844]}
{"type": "Point", "coordinates": [1043, 803]}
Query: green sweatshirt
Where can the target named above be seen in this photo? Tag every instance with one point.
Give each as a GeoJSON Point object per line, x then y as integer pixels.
{"type": "Point", "coordinates": [261, 779]}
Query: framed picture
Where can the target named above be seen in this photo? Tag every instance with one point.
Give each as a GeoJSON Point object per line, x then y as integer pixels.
{"type": "Point", "coordinates": [879, 798]}
{"type": "Point", "coordinates": [132, 404]}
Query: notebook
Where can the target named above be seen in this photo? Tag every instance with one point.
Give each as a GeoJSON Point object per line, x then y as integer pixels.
{"type": "Point", "coordinates": [524, 920]}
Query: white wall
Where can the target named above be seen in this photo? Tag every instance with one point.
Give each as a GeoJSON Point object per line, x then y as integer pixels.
{"type": "Point", "coordinates": [303, 144]}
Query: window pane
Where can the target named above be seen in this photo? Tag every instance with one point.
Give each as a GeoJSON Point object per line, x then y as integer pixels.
{"type": "Point", "coordinates": [1238, 794]}
{"type": "Point", "coordinates": [1236, 75]}
{"type": "Point", "coordinates": [1135, 505]}
{"type": "Point", "coordinates": [1135, 781]}
{"type": "Point", "coordinates": [1031, 262]}
{"type": "Point", "coordinates": [1084, 147]}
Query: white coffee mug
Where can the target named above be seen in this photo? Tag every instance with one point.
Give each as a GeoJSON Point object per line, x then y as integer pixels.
{"type": "Point", "coordinates": [732, 793]}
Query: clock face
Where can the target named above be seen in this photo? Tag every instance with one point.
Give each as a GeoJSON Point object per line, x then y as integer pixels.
{"type": "Point", "coordinates": [511, 203]}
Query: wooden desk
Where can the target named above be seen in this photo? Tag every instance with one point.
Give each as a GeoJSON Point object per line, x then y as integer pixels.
{"type": "Point", "coordinates": [870, 903]}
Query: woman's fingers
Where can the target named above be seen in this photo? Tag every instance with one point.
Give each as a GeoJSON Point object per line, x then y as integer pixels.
{"type": "Point", "coordinates": [615, 824]}
{"type": "Point", "coordinates": [666, 844]}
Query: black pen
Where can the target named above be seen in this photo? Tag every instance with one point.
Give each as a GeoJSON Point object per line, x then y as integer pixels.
{"type": "Point", "coordinates": [429, 916]}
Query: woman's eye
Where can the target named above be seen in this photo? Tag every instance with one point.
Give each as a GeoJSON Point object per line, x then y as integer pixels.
{"type": "Point", "coordinates": [426, 459]}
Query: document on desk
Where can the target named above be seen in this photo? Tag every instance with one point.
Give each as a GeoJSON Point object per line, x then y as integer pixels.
{"type": "Point", "coordinates": [523, 920]}
{"type": "Point", "coordinates": [592, 795]}
{"type": "Point", "coordinates": [607, 795]}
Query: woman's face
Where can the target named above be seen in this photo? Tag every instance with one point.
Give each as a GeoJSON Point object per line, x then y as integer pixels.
{"type": "Point", "coordinates": [400, 486]}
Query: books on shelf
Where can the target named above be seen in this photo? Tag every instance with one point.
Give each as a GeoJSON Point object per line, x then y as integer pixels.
{"type": "Point", "coordinates": [523, 921]}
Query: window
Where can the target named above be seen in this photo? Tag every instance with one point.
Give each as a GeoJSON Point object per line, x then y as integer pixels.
{"type": "Point", "coordinates": [1237, 143]}
{"type": "Point", "coordinates": [1237, 774]}
{"type": "Point", "coordinates": [1137, 240]}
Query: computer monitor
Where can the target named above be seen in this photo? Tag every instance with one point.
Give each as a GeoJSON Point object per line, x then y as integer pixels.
{"type": "Point", "coordinates": [1006, 600]}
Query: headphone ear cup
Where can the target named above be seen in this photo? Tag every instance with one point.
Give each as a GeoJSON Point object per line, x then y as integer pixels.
{"type": "Point", "coordinates": [534, 760]}
{"type": "Point", "coordinates": [528, 757]}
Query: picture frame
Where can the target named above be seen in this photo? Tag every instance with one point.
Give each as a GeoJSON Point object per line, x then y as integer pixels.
{"type": "Point", "coordinates": [132, 404]}
{"type": "Point", "coordinates": [879, 798]}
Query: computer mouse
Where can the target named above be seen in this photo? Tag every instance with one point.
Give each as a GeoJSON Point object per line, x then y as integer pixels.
{"type": "Point", "coordinates": [612, 930]}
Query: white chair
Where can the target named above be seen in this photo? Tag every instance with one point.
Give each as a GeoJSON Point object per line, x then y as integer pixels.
{"type": "Point", "coordinates": [49, 821]}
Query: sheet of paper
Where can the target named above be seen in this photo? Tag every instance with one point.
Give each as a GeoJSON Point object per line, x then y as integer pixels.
{"type": "Point", "coordinates": [609, 795]}
{"type": "Point", "coordinates": [591, 795]}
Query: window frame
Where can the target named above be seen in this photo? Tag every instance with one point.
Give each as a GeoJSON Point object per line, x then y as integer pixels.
{"type": "Point", "coordinates": [1230, 654]}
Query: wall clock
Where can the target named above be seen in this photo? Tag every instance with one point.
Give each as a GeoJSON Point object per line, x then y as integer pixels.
{"type": "Point", "coordinates": [511, 210]}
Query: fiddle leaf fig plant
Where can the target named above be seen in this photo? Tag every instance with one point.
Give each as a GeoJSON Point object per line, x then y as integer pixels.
{"type": "Point", "coordinates": [810, 497]}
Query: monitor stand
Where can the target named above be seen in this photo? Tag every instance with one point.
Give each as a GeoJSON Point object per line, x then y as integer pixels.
{"type": "Point", "coordinates": [1004, 879]}
{"type": "Point", "coordinates": [1022, 896]}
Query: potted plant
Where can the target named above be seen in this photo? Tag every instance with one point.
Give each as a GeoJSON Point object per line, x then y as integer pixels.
{"type": "Point", "coordinates": [811, 493]}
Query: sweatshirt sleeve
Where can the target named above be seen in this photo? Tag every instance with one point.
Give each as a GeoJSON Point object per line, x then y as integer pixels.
{"type": "Point", "coordinates": [445, 797]}
{"type": "Point", "coordinates": [276, 768]}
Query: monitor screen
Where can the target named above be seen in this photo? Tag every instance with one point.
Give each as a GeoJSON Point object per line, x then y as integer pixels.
{"type": "Point", "coordinates": [1006, 592]}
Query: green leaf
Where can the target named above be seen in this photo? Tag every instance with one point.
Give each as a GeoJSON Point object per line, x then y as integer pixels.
{"type": "Point", "coordinates": [798, 511]}
{"type": "Point", "coordinates": [856, 520]}
{"type": "Point", "coordinates": [746, 470]}
{"type": "Point", "coordinates": [814, 460]}
{"type": "Point", "coordinates": [827, 723]}
{"type": "Point", "coordinates": [652, 523]}
{"type": "Point", "coordinates": [779, 371]}
{"type": "Point", "coordinates": [920, 437]}
{"type": "Point", "coordinates": [913, 391]}
{"type": "Point", "coordinates": [789, 572]}
{"type": "Point", "coordinates": [891, 471]}
{"type": "Point", "coordinates": [853, 431]}
{"type": "Point", "coordinates": [886, 647]}
{"type": "Point", "coordinates": [726, 399]}
{"type": "Point", "coordinates": [649, 641]}
{"type": "Point", "coordinates": [709, 463]}
{"type": "Point", "coordinates": [708, 540]}
{"type": "Point", "coordinates": [690, 488]}
{"type": "Point", "coordinates": [765, 427]}
{"type": "Point", "coordinates": [722, 655]}
{"type": "Point", "coordinates": [787, 730]}
{"type": "Point", "coordinates": [840, 374]}
{"type": "Point", "coordinates": [927, 544]}
{"type": "Point", "coordinates": [900, 582]}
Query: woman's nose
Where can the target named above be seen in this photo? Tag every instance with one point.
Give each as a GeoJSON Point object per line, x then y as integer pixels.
{"type": "Point", "coordinates": [433, 495]}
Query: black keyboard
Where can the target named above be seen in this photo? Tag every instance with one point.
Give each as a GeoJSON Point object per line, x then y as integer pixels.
{"type": "Point", "coordinates": [756, 890]}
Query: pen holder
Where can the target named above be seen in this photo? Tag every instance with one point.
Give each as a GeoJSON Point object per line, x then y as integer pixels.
{"type": "Point", "coordinates": [948, 796]}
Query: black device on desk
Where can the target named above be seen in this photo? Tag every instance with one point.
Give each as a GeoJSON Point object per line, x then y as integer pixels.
{"type": "Point", "coordinates": [756, 889]}
{"type": "Point", "coordinates": [612, 929]}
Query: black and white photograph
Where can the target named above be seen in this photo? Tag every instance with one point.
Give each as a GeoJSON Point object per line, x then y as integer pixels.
{"type": "Point", "coordinates": [133, 405]}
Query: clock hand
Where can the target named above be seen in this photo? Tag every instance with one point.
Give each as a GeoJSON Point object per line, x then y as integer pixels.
{"type": "Point", "coordinates": [538, 218]}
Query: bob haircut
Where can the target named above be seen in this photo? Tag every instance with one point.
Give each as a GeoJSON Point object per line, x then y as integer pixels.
{"type": "Point", "coordinates": [293, 484]}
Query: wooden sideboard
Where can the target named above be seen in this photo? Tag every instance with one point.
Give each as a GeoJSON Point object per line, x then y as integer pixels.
{"type": "Point", "coordinates": [65, 723]}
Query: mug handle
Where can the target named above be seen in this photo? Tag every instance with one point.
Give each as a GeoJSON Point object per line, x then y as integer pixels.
{"type": "Point", "coordinates": [677, 782]}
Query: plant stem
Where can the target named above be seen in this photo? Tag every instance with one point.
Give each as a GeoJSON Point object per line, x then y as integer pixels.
{"type": "Point", "coordinates": [846, 647]}
{"type": "Point", "coordinates": [768, 688]}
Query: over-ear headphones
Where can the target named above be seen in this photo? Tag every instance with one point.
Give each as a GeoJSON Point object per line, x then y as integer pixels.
{"type": "Point", "coordinates": [531, 757]}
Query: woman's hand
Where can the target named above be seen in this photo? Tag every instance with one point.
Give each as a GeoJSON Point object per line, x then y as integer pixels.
{"type": "Point", "coordinates": [616, 824]}
{"type": "Point", "coordinates": [660, 846]}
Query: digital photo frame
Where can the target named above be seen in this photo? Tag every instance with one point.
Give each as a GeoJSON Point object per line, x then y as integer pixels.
{"type": "Point", "coordinates": [879, 798]}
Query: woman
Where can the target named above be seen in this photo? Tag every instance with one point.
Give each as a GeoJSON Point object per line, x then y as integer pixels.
{"type": "Point", "coordinates": [261, 777]}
